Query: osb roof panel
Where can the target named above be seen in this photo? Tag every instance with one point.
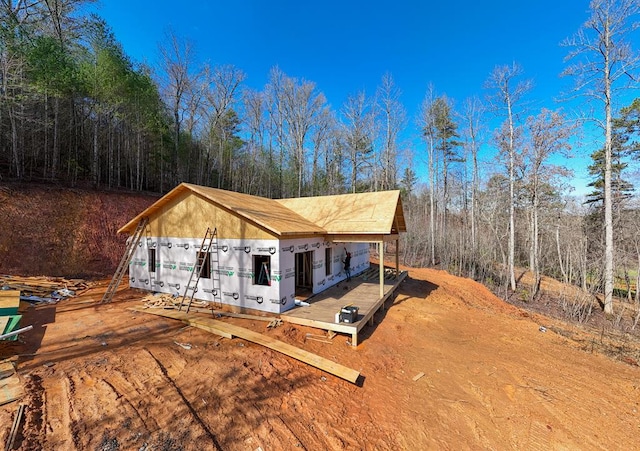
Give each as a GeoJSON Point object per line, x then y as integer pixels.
{"type": "Point", "coordinates": [360, 213]}
{"type": "Point", "coordinates": [263, 212]}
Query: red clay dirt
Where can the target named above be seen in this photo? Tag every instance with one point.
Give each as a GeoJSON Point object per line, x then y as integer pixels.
{"type": "Point", "coordinates": [104, 377]}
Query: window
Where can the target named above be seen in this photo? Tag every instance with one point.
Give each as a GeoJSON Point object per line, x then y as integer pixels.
{"type": "Point", "coordinates": [204, 258]}
{"type": "Point", "coordinates": [262, 270]}
{"type": "Point", "coordinates": [152, 260]}
{"type": "Point", "coordinates": [327, 261]}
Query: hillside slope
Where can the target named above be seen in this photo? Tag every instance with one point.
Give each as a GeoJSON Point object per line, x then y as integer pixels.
{"type": "Point", "coordinates": [53, 231]}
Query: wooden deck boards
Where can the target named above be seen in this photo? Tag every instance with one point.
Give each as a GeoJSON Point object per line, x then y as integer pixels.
{"type": "Point", "coordinates": [365, 294]}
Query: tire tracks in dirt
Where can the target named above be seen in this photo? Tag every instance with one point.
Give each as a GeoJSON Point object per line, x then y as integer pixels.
{"type": "Point", "coordinates": [186, 402]}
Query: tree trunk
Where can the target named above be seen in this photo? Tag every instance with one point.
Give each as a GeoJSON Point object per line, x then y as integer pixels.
{"type": "Point", "coordinates": [608, 211]}
{"type": "Point", "coordinates": [432, 219]}
{"type": "Point", "coordinates": [512, 213]}
{"type": "Point", "coordinates": [96, 154]}
{"type": "Point", "coordinates": [560, 262]}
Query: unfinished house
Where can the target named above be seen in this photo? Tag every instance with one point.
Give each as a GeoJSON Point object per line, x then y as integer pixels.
{"type": "Point", "coordinates": [253, 252]}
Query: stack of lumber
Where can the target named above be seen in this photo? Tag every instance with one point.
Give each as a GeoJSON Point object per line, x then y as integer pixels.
{"type": "Point", "coordinates": [42, 286]}
{"type": "Point", "coordinates": [167, 301]}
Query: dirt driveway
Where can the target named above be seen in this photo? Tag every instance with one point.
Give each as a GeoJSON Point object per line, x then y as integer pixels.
{"type": "Point", "coordinates": [106, 378]}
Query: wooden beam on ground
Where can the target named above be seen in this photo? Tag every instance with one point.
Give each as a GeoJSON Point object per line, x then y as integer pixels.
{"type": "Point", "coordinates": [191, 320]}
{"type": "Point", "coordinates": [219, 327]}
{"type": "Point", "coordinates": [15, 428]}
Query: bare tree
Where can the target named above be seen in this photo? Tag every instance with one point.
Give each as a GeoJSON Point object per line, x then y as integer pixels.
{"type": "Point", "coordinates": [359, 134]}
{"type": "Point", "coordinates": [295, 108]}
{"type": "Point", "coordinates": [507, 92]}
{"type": "Point", "coordinates": [392, 116]}
{"type": "Point", "coordinates": [262, 154]}
{"type": "Point", "coordinates": [177, 68]}
{"type": "Point", "coordinates": [603, 60]}
{"type": "Point", "coordinates": [222, 85]}
{"type": "Point", "coordinates": [321, 139]}
{"type": "Point", "coordinates": [549, 134]}
{"type": "Point", "coordinates": [472, 116]}
{"type": "Point", "coordinates": [426, 122]}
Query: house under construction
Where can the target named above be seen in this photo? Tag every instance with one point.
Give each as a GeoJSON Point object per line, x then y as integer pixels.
{"type": "Point", "coordinates": [252, 252]}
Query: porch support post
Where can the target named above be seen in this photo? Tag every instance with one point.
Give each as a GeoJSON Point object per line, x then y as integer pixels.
{"type": "Point", "coordinates": [397, 258]}
{"type": "Point", "coordinates": [381, 255]}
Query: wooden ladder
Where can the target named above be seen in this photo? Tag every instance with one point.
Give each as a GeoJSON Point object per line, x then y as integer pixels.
{"type": "Point", "coordinates": [124, 261]}
{"type": "Point", "coordinates": [201, 255]}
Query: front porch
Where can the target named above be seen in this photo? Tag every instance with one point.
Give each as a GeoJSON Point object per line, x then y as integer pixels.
{"type": "Point", "coordinates": [364, 291]}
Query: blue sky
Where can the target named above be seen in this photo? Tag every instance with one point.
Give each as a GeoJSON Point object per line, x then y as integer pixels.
{"type": "Point", "coordinates": [347, 46]}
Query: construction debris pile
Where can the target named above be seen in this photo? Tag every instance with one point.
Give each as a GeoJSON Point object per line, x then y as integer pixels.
{"type": "Point", "coordinates": [34, 290]}
{"type": "Point", "coordinates": [43, 289]}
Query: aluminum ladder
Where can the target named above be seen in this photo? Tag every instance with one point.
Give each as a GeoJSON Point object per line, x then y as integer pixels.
{"type": "Point", "coordinates": [208, 248]}
{"type": "Point", "coordinates": [124, 261]}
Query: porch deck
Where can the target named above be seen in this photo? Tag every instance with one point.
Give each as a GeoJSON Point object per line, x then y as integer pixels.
{"type": "Point", "coordinates": [363, 291]}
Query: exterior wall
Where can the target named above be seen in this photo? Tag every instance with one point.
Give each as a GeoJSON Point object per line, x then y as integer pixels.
{"type": "Point", "coordinates": [174, 265]}
{"type": "Point", "coordinates": [175, 258]}
{"type": "Point", "coordinates": [321, 281]}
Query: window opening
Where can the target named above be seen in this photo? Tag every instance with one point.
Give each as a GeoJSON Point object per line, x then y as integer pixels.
{"type": "Point", "coordinates": [262, 270]}
{"type": "Point", "coordinates": [205, 258]}
{"type": "Point", "coordinates": [327, 261]}
{"type": "Point", "coordinates": [152, 260]}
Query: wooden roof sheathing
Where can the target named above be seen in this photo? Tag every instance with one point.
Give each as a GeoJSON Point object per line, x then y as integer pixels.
{"type": "Point", "coordinates": [263, 212]}
{"type": "Point", "coordinates": [346, 214]}
{"type": "Point", "coordinates": [350, 214]}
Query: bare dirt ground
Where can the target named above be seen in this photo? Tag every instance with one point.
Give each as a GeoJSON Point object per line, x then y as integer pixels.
{"type": "Point", "coordinates": [103, 377]}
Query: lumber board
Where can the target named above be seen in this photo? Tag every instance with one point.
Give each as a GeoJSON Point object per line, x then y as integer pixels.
{"type": "Point", "coordinates": [9, 302]}
{"type": "Point", "coordinates": [4, 320]}
{"type": "Point", "coordinates": [185, 317]}
{"type": "Point", "coordinates": [418, 376]}
{"type": "Point", "coordinates": [16, 425]}
{"type": "Point", "coordinates": [6, 369]}
{"type": "Point", "coordinates": [10, 389]}
{"type": "Point", "coordinates": [309, 358]}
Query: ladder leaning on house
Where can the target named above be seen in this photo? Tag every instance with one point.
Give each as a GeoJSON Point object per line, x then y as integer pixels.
{"type": "Point", "coordinates": [215, 270]}
{"type": "Point", "coordinates": [208, 250]}
{"type": "Point", "coordinates": [124, 261]}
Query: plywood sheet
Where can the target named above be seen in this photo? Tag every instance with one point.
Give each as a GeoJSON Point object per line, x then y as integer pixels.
{"type": "Point", "coordinates": [4, 320]}
{"type": "Point", "coordinates": [359, 213]}
{"type": "Point", "coordinates": [9, 302]}
{"type": "Point", "coordinates": [10, 384]}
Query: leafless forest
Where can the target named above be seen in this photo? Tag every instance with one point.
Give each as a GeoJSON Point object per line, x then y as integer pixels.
{"type": "Point", "coordinates": [76, 110]}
